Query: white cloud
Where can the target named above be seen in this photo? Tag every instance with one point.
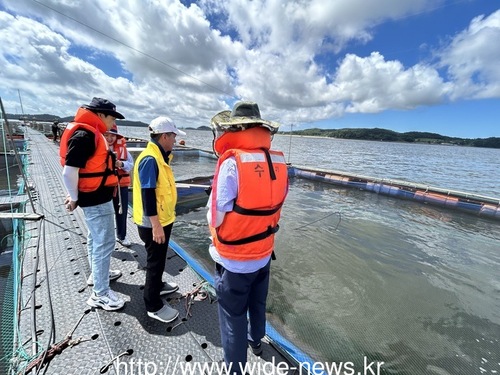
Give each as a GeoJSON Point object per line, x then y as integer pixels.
{"type": "Point", "coordinates": [177, 63]}
{"type": "Point", "coordinates": [186, 62]}
{"type": "Point", "coordinates": [372, 84]}
{"type": "Point", "coordinates": [472, 59]}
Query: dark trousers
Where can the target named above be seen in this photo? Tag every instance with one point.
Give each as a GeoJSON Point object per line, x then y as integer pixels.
{"type": "Point", "coordinates": [237, 295]}
{"type": "Point", "coordinates": [121, 219]}
{"type": "Point", "coordinates": [155, 265]}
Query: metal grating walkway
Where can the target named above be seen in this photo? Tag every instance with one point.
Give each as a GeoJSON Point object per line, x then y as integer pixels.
{"type": "Point", "coordinates": [56, 268]}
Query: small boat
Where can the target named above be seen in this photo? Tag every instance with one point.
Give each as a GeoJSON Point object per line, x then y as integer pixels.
{"type": "Point", "coordinates": [192, 193]}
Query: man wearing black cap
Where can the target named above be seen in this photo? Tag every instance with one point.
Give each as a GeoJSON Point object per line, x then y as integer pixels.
{"type": "Point", "coordinates": [90, 179]}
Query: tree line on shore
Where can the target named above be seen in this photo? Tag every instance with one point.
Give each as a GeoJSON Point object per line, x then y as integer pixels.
{"type": "Point", "coordinates": [367, 134]}
{"type": "Point", "coordinates": [384, 135]}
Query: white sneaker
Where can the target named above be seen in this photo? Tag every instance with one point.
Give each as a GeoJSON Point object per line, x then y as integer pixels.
{"type": "Point", "coordinates": [109, 301]}
{"type": "Point", "coordinates": [125, 242]}
{"type": "Point", "coordinates": [113, 275]}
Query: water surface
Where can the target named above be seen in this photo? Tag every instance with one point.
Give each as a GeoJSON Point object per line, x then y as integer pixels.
{"type": "Point", "coordinates": [470, 169]}
{"type": "Point", "coordinates": [359, 274]}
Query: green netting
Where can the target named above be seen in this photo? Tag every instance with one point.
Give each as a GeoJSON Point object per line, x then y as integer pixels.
{"type": "Point", "coordinates": [12, 244]}
{"type": "Point", "coordinates": [10, 280]}
{"type": "Point", "coordinates": [7, 317]}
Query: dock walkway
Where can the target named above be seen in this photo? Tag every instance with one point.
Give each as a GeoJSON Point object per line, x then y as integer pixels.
{"type": "Point", "coordinates": [54, 292]}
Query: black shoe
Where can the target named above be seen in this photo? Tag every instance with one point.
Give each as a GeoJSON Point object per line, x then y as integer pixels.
{"type": "Point", "coordinates": [168, 288]}
{"type": "Point", "coordinates": [256, 349]}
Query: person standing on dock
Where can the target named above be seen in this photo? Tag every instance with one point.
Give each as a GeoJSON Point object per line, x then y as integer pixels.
{"type": "Point", "coordinates": [124, 164]}
{"type": "Point", "coordinates": [155, 197]}
{"type": "Point", "coordinates": [55, 130]}
{"type": "Point", "coordinates": [91, 181]}
{"type": "Point", "coordinates": [249, 188]}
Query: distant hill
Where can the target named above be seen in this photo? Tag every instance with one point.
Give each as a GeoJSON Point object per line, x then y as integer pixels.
{"type": "Point", "coordinates": [377, 134]}
{"type": "Point", "coordinates": [43, 117]}
{"type": "Point", "coordinates": [131, 123]}
{"type": "Point", "coordinates": [50, 118]}
{"type": "Point", "coordinates": [368, 134]}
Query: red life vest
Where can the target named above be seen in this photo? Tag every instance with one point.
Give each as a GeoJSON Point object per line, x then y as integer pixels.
{"type": "Point", "coordinates": [247, 232]}
{"type": "Point", "coordinates": [99, 169]}
{"type": "Point", "coordinates": [120, 149]}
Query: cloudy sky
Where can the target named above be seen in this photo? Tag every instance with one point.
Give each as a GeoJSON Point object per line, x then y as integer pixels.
{"type": "Point", "coordinates": [404, 65]}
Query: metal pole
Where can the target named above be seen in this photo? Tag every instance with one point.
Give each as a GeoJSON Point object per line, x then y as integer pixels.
{"type": "Point", "coordinates": [20, 101]}
{"type": "Point", "coordinates": [9, 133]}
{"type": "Point", "coordinates": [119, 199]}
{"type": "Point", "coordinates": [290, 146]}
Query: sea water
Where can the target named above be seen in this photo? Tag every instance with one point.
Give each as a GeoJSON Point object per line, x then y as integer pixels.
{"type": "Point", "coordinates": [361, 276]}
{"type": "Point", "coordinates": [470, 169]}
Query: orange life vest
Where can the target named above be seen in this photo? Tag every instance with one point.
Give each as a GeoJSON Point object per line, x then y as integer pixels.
{"type": "Point", "coordinates": [99, 169]}
{"type": "Point", "coordinates": [247, 232]}
{"type": "Point", "coordinates": [120, 149]}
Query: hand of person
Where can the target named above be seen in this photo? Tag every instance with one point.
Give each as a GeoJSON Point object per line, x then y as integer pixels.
{"type": "Point", "coordinates": [69, 204]}
{"type": "Point", "coordinates": [158, 234]}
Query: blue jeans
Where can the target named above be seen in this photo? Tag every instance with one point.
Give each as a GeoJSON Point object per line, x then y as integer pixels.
{"type": "Point", "coordinates": [242, 311]}
{"type": "Point", "coordinates": [100, 243]}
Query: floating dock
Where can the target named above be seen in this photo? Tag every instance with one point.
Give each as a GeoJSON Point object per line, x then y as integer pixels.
{"type": "Point", "coordinates": [467, 202]}
{"type": "Point", "coordinates": [58, 331]}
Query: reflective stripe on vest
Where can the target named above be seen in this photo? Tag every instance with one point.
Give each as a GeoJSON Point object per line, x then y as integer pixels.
{"type": "Point", "coordinates": [247, 232]}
